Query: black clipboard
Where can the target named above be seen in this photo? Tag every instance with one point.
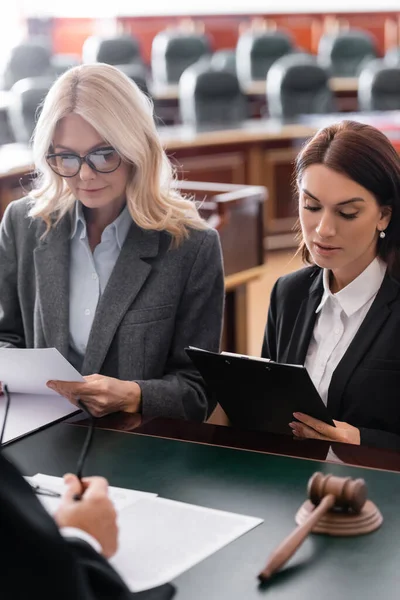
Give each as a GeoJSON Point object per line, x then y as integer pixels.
{"type": "Point", "coordinates": [256, 393]}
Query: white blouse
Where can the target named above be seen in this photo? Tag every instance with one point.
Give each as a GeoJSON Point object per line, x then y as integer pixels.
{"type": "Point", "coordinates": [339, 318]}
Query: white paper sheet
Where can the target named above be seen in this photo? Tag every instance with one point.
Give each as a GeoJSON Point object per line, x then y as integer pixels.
{"type": "Point", "coordinates": [29, 412]}
{"type": "Point", "coordinates": [159, 539]}
{"type": "Point", "coordinates": [26, 371]}
{"type": "Point", "coordinates": [121, 497]}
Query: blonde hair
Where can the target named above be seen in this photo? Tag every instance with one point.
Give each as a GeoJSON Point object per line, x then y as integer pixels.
{"type": "Point", "coordinates": [123, 116]}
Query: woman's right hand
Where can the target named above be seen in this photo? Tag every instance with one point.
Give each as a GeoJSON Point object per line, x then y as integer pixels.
{"type": "Point", "coordinates": [93, 513]}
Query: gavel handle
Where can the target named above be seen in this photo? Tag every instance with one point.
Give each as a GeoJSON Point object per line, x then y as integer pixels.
{"type": "Point", "coordinates": [289, 545]}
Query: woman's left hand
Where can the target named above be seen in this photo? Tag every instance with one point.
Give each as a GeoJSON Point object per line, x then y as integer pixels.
{"type": "Point", "coordinates": [102, 395]}
{"type": "Point", "coordinates": [308, 427]}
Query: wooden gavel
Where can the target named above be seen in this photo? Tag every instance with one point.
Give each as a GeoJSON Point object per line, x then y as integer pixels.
{"type": "Point", "coordinates": [327, 493]}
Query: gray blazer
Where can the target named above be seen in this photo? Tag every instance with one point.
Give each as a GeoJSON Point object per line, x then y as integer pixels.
{"type": "Point", "coordinates": [158, 300]}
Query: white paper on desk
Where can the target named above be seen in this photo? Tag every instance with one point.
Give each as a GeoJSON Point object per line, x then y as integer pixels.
{"type": "Point", "coordinates": [29, 412]}
{"type": "Point", "coordinates": [159, 539]}
{"type": "Point", "coordinates": [27, 370]}
{"type": "Point", "coordinates": [121, 497]}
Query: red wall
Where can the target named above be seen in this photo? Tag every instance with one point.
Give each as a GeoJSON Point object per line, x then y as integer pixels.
{"type": "Point", "coordinates": [68, 35]}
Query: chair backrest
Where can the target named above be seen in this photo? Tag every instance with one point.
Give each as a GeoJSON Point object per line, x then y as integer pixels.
{"type": "Point", "coordinates": [392, 56]}
{"type": "Point", "coordinates": [224, 60]}
{"type": "Point", "coordinates": [138, 74]}
{"type": "Point", "coordinates": [27, 96]}
{"type": "Point", "coordinates": [379, 87]}
{"type": "Point", "coordinates": [210, 96]}
{"type": "Point", "coordinates": [346, 52]}
{"type": "Point", "coordinates": [174, 51]}
{"type": "Point", "coordinates": [297, 85]}
{"type": "Point", "coordinates": [28, 59]}
{"type": "Point", "coordinates": [116, 50]}
{"type": "Point", "coordinates": [256, 51]}
{"type": "Point", "coordinates": [63, 62]}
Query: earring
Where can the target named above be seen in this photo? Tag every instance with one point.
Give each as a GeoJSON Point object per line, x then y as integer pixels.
{"type": "Point", "coordinates": [382, 234]}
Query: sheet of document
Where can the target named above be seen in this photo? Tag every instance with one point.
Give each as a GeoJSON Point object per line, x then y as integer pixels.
{"type": "Point", "coordinates": [29, 412]}
{"type": "Point", "coordinates": [159, 539]}
{"type": "Point", "coordinates": [26, 371]}
{"type": "Point", "coordinates": [121, 497]}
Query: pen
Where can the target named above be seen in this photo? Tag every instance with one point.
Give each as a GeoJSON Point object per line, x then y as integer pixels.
{"type": "Point", "coordinates": [85, 449]}
{"type": "Point", "coordinates": [44, 491]}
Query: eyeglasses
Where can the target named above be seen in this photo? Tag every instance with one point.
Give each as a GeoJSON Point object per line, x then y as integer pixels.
{"type": "Point", "coordinates": [82, 458]}
{"type": "Point", "coordinates": [68, 164]}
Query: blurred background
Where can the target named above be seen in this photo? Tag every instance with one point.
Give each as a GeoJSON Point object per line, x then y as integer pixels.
{"type": "Point", "coordinates": [237, 89]}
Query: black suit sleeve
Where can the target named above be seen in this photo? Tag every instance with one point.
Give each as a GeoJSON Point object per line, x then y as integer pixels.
{"type": "Point", "coordinates": [269, 342]}
{"type": "Point", "coordinates": [35, 561]}
{"type": "Point", "coordinates": [105, 582]}
{"type": "Point", "coordinates": [376, 438]}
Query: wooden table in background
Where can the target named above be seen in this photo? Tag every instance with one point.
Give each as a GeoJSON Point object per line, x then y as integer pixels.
{"type": "Point", "coordinates": [258, 152]}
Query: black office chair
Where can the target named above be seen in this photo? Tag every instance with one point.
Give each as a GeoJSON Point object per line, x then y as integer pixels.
{"type": "Point", "coordinates": [28, 59]}
{"type": "Point", "coordinates": [63, 62]}
{"type": "Point", "coordinates": [346, 53]}
{"type": "Point", "coordinates": [297, 85]}
{"type": "Point", "coordinates": [210, 96]}
{"type": "Point", "coordinates": [379, 87]}
{"type": "Point", "coordinates": [256, 51]}
{"type": "Point", "coordinates": [173, 51]}
{"type": "Point", "coordinates": [138, 74]}
{"type": "Point", "coordinates": [115, 50]}
{"type": "Point", "coordinates": [27, 96]}
{"type": "Point", "coordinates": [392, 56]}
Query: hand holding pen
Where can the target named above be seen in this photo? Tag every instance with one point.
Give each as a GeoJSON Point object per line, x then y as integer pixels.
{"type": "Point", "coordinates": [95, 513]}
{"type": "Point", "coordinates": [85, 449]}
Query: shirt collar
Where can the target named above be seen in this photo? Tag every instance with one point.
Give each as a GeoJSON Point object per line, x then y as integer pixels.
{"type": "Point", "coordinates": [118, 228]}
{"type": "Point", "coordinates": [357, 293]}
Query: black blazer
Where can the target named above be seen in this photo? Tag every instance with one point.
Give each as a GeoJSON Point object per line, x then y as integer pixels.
{"type": "Point", "coordinates": [36, 562]}
{"type": "Point", "coordinates": [365, 387]}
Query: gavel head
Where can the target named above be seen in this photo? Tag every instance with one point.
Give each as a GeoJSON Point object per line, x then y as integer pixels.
{"type": "Point", "coordinates": [350, 494]}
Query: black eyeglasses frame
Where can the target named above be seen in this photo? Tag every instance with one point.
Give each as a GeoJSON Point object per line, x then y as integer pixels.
{"type": "Point", "coordinates": [82, 159]}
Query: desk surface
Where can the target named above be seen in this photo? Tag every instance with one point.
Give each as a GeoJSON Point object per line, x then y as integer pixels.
{"type": "Point", "coordinates": [256, 88]}
{"type": "Point", "coordinates": [255, 441]}
{"type": "Point", "coordinates": [267, 486]}
{"type": "Point", "coordinates": [17, 158]}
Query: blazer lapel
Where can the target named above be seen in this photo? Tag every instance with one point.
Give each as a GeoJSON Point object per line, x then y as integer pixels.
{"type": "Point", "coordinates": [369, 329]}
{"type": "Point", "coordinates": [127, 278]}
{"type": "Point", "coordinates": [305, 322]}
{"type": "Point", "coordinates": [51, 259]}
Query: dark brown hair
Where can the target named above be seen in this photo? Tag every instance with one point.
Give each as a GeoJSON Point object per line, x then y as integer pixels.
{"type": "Point", "coordinates": [365, 155]}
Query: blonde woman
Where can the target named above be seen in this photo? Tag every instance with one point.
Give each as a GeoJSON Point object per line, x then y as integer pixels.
{"type": "Point", "coordinates": [105, 260]}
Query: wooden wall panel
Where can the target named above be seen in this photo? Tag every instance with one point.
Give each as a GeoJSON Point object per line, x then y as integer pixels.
{"type": "Point", "coordinates": [69, 34]}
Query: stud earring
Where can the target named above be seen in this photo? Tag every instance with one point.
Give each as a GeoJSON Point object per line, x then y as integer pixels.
{"type": "Point", "coordinates": [382, 234]}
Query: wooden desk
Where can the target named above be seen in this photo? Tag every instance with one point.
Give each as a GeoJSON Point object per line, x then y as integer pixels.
{"type": "Point", "coordinates": [263, 485]}
{"type": "Point", "coordinates": [166, 97]}
{"type": "Point", "coordinates": [242, 439]}
{"type": "Point", "coordinates": [256, 152]}
{"type": "Point", "coordinates": [236, 212]}
{"type": "Point", "coordinates": [257, 88]}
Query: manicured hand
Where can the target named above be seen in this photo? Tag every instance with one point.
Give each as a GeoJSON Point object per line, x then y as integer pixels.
{"type": "Point", "coordinates": [308, 427]}
{"type": "Point", "coordinates": [102, 395]}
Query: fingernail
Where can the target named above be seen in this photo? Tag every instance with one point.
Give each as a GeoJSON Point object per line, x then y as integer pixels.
{"type": "Point", "coordinates": [297, 414]}
{"type": "Point", "coordinates": [292, 425]}
{"type": "Point", "coordinates": [50, 384]}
